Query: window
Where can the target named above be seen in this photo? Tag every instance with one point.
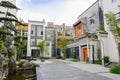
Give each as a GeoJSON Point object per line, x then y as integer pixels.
{"type": "Point", "coordinates": [39, 30]}
{"type": "Point", "coordinates": [32, 42]}
{"type": "Point", "coordinates": [92, 19]}
{"type": "Point", "coordinates": [33, 30]}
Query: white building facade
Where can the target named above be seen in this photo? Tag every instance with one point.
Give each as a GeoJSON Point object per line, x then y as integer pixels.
{"type": "Point", "coordinates": [36, 33]}
{"type": "Point", "coordinates": [111, 5]}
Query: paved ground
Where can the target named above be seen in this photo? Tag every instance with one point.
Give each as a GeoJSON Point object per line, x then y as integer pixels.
{"type": "Point", "coordinates": [64, 71]}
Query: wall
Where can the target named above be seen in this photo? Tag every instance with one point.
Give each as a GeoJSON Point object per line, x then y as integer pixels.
{"type": "Point", "coordinates": [112, 50]}
{"type": "Point", "coordinates": [92, 13]}
{"type": "Point", "coordinates": [78, 29]}
{"type": "Point", "coordinates": [29, 35]}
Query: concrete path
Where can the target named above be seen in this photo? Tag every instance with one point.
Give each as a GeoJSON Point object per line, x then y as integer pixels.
{"type": "Point", "coordinates": [93, 68]}
{"type": "Point", "coordinates": [58, 70]}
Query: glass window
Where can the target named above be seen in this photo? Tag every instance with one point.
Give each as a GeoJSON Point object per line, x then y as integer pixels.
{"type": "Point", "coordinates": [39, 30]}
{"type": "Point", "coordinates": [92, 20]}
{"type": "Point", "coordinates": [32, 42]}
{"type": "Point", "coordinates": [32, 30]}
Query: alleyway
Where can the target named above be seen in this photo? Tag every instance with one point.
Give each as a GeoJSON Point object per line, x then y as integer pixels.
{"type": "Point", "coordinates": [62, 71]}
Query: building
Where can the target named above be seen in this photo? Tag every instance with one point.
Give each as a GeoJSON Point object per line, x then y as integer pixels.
{"type": "Point", "coordinates": [50, 35]}
{"type": "Point", "coordinates": [54, 32]}
{"type": "Point", "coordinates": [87, 37]}
{"type": "Point", "coordinates": [111, 5]}
{"type": "Point", "coordinates": [65, 30]}
{"type": "Point", "coordinates": [36, 33]}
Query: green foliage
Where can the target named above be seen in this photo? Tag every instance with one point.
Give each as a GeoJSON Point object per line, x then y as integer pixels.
{"type": "Point", "coordinates": [10, 52]}
{"type": "Point", "coordinates": [7, 4]}
{"type": "Point", "coordinates": [98, 62]}
{"type": "Point", "coordinates": [62, 44]}
{"type": "Point", "coordinates": [101, 27]}
{"type": "Point", "coordinates": [5, 32]}
{"type": "Point", "coordinates": [74, 60]}
{"type": "Point", "coordinates": [20, 45]}
{"type": "Point", "coordinates": [99, 54]}
{"type": "Point", "coordinates": [115, 69]}
{"type": "Point", "coordinates": [9, 14]}
{"type": "Point", "coordinates": [59, 57]}
{"type": "Point", "coordinates": [106, 59]}
{"type": "Point", "coordinates": [113, 26]}
{"type": "Point", "coordinates": [47, 44]}
{"type": "Point", "coordinates": [1, 45]}
{"type": "Point", "coordinates": [41, 46]}
{"type": "Point", "coordinates": [44, 58]}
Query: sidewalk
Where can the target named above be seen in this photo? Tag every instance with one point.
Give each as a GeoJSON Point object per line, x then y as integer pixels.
{"type": "Point", "coordinates": [93, 68]}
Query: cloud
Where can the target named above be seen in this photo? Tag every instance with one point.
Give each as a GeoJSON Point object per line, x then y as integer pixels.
{"type": "Point", "coordinates": [64, 11]}
{"type": "Point", "coordinates": [31, 15]}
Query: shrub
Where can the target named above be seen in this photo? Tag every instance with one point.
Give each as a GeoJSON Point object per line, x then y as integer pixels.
{"type": "Point", "coordinates": [59, 57]}
{"type": "Point", "coordinates": [106, 59]}
{"type": "Point", "coordinates": [74, 60]}
{"type": "Point", "coordinates": [29, 58]}
{"type": "Point", "coordinates": [115, 69]}
{"type": "Point", "coordinates": [44, 58]}
{"type": "Point", "coordinates": [101, 27]}
{"type": "Point", "coordinates": [99, 54]}
{"type": "Point", "coordinates": [98, 62]}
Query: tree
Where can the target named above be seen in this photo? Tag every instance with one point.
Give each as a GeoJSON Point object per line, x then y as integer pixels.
{"type": "Point", "coordinates": [7, 30]}
{"type": "Point", "coordinates": [62, 44]}
{"type": "Point", "coordinates": [21, 45]}
{"type": "Point", "coordinates": [114, 28]}
{"type": "Point", "coordinates": [41, 45]}
{"type": "Point", "coordinates": [47, 44]}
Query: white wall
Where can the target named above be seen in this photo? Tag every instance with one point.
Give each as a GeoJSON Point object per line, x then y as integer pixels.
{"type": "Point", "coordinates": [29, 33]}
{"type": "Point", "coordinates": [112, 49]}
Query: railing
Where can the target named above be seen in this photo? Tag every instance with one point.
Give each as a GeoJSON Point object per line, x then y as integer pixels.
{"type": "Point", "coordinates": [117, 15]}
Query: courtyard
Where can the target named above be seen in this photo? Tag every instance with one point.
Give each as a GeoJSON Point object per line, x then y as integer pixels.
{"type": "Point", "coordinates": [59, 70]}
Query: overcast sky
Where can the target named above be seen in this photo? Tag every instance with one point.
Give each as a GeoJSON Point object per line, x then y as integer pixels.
{"type": "Point", "coordinates": [57, 11]}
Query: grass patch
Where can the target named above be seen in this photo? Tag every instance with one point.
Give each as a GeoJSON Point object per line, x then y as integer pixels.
{"type": "Point", "coordinates": [74, 60]}
{"type": "Point", "coordinates": [44, 58]}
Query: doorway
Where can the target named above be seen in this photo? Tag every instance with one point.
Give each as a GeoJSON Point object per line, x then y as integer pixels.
{"type": "Point", "coordinates": [84, 54]}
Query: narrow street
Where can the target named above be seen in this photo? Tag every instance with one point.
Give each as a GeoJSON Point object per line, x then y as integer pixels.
{"type": "Point", "coordinates": [62, 71]}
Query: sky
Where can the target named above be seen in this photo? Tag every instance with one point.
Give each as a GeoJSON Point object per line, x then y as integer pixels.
{"type": "Point", "coordinates": [57, 11]}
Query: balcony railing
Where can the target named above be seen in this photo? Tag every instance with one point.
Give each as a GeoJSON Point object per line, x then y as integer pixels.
{"type": "Point", "coordinates": [117, 15]}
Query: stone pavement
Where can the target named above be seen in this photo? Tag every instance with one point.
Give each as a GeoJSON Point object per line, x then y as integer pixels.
{"type": "Point", "coordinates": [93, 68]}
{"type": "Point", "coordinates": [66, 70]}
